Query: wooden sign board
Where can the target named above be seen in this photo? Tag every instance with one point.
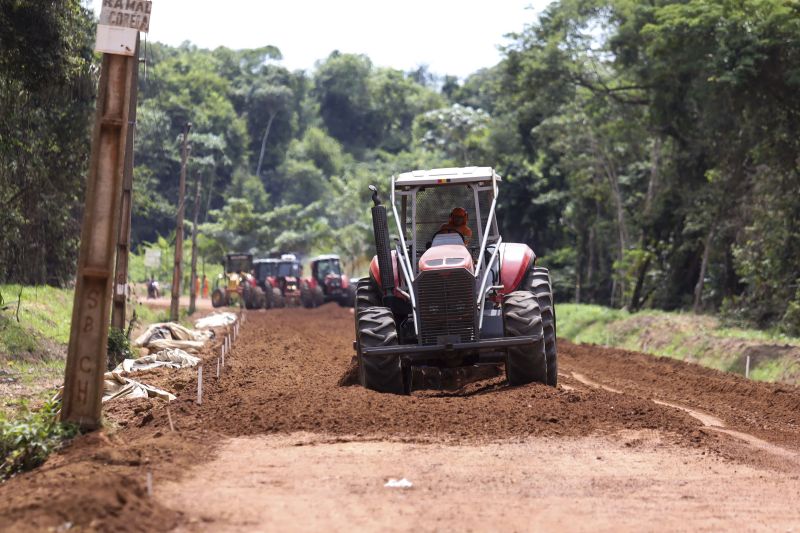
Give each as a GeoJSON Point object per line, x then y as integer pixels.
{"type": "Point", "coordinates": [127, 14]}
{"type": "Point", "coordinates": [116, 40]}
{"type": "Point", "coordinates": [152, 258]}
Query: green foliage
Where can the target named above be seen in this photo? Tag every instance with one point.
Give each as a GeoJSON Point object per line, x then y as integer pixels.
{"type": "Point", "coordinates": [458, 132]}
{"type": "Point", "coordinates": [46, 96]}
{"type": "Point", "coordinates": [27, 441]}
{"type": "Point", "coordinates": [44, 313]}
{"type": "Point", "coordinates": [119, 347]}
{"type": "Point", "coordinates": [649, 150]}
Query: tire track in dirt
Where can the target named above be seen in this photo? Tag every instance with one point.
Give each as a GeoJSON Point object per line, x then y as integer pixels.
{"type": "Point", "coordinates": [710, 422]}
{"type": "Point", "coordinates": [769, 412]}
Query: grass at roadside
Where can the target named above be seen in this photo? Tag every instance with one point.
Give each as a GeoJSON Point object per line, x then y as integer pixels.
{"type": "Point", "coordinates": [698, 338]}
{"type": "Point", "coordinates": [33, 348]}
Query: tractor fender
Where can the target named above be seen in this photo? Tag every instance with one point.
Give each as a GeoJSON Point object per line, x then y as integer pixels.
{"type": "Point", "coordinates": [375, 273]}
{"type": "Point", "coordinates": [515, 260]}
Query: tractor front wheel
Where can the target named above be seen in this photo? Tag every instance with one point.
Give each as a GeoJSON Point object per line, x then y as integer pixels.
{"type": "Point", "coordinates": [522, 317]}
{"type": "Point", "coordinates": [376, 328]}
{"type": "Point", "coordinates": [219, 298]}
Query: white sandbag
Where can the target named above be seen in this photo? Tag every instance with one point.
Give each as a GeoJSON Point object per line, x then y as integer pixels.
{"type": "Point", "coordinates": [116, 386]}
{"type": "Point", "coordinates": [170, 331]}
{"type": "Point", "coordinates": [164, 358]}
{"type": "Point", "coordinates": [216, 320]}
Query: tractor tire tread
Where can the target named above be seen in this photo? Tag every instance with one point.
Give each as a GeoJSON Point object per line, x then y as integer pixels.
{"type": "Point", "coordinates": [522, 317]}
{"type": "Point", "coordinates": [376, 328]}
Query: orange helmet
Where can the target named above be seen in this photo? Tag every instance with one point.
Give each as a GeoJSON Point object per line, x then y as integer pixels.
{"type": "Point", "coordinates": [459, 212]}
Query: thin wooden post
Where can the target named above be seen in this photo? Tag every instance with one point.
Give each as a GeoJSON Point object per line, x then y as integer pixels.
{"type": "Point", "coordinates": [177, 271]}
{"type": "Point", "coordinates": [193, 277]}
{"type": "Point", "coordinates": [91, 313]}
{"type": "Point", "coordinates": [118, 311]}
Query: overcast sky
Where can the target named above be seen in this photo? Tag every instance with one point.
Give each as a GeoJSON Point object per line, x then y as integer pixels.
{"type": "Point", "coordinates": [450, 36]}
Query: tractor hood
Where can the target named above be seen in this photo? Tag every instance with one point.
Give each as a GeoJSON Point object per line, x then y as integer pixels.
{"type": "Point", "coordinates": [446, 256]}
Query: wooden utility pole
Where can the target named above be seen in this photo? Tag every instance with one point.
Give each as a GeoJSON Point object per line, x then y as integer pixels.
{"type": "Point", "coordinates": [193, 277]}
{"type": "Point", "coordinates": [174, 307]}
{"type": "Point", "coordinates": [86, 358]}
{"type": "Point", "coordinates": [118, 311]}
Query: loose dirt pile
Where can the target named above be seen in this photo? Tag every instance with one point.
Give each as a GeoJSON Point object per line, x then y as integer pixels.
{"type": "Point", "coordinates": [287, 374]}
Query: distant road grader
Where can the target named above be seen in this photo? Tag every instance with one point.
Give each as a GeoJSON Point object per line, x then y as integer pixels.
{"type": "Point", "coordinates": [449, 293]}
{"type": "Point", "coordinates": [237, 285]}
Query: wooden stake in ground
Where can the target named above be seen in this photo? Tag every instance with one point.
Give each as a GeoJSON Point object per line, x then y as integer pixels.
{"type": "Point", "coordinates": [200, 385]}
{"type": "Point", "coordinates": [91, 313]}
{"type": "Point", "coordinates": [177, 271]}
{"type": "Point", "coordinates": [118, 311]}
{"type": "Point", "coordinates": [193, 277]}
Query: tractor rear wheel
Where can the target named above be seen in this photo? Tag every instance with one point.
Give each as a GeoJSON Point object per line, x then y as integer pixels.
{"type": "Point", "coordinates": [376, 328]}
{"type": "Point", "coordinates": [366, 295]}
{"type": "Point", "coordinates": [349, 297]}
{"type": "Point", "coordinates": [247, 296]}
{"type": "Point", "coordinates": [541, 287]}
{"type": "Point", "coordinates": [260, 299]}
{"type": "Point", "coordinates": [317, 296]}
{"type": "Point", "coordinates": [522, 317]}
{"type": "Point", "coordinates": [278, 301]}
{"type": "Point", "coordinates": [219, 298]}
{"type": "Point", "coordinates": [305, 297]}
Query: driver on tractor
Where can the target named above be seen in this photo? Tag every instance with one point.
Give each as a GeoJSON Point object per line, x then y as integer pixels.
{"type": "Point", "coordinates": [457, 223]}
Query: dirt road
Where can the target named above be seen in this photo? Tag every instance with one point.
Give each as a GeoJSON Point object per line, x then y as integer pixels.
{"type": "Point", "coordinates": [627, 442]}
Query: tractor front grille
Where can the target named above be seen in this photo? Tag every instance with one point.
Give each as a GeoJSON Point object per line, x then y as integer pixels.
{"type": "Point", "coordinates": [446, 304]}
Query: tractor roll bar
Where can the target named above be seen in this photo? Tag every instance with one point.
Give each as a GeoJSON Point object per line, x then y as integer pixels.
{"type": "Point", "coordinates": [488, 226]}
{"type": "Point", "coordinates": [405, 261]}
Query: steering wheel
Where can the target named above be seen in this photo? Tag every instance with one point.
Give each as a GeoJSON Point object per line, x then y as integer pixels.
{"type": "Point", "coordinates": [445, 231]}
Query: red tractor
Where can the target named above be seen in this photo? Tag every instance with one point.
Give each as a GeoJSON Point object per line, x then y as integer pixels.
{"type": "Point", "coordinates": [266, 272]}
{"type": "Point", "coordinates": [237, 284]}
{"type": "Point", "coordinates": [288, 275]}
{"type": "Point", "coordinates": [327, 283]}
{"type": "Point", "coordinates": [440, 299]}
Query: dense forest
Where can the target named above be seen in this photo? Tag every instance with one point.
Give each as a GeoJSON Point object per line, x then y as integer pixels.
{"type": "Point", "coordinates": [650, 149]}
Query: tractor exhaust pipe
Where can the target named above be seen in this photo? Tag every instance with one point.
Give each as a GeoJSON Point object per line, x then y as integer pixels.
{"type": "Point", "coordinates": [380, 226]}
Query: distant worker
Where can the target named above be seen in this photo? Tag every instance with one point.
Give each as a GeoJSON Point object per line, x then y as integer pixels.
{"type": "Point", "coordinates": [458, 223]}
{"type": "Point", "coordinates": [196, 286]}
{"type": "Point", "coordinates": [205, 287]}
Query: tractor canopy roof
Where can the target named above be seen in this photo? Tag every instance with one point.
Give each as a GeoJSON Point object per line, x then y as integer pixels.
{"type": "Point", "coordinates": [326, 257]}
{"type": "Point", "coordinates": [445, 176]}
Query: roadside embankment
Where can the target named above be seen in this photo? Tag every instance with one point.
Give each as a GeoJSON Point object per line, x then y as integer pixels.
{"type": "Point", "coordinates": [699, 339]}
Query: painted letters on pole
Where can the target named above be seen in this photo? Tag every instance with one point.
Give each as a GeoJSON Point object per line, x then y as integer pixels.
{"type": "Point", "coordinates": [127, 14]}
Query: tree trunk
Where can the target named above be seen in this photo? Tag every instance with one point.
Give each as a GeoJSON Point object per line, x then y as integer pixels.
{"type": "Point", "coordinates": [652, 185]}
{"type": "Point", "coordinates": [698, 288]}
{"type": "Point", "coordinates": [607, 167]}
{"type": "Point", "coordinates": [590, 266]}
{"type": "Point", "coordinates": [636, 298]}
{"type": "Point", "coordinates": [264, 143]}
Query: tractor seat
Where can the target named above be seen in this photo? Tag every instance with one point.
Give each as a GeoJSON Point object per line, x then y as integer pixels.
{"type": "Point", "coordinates": [447, 238]}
